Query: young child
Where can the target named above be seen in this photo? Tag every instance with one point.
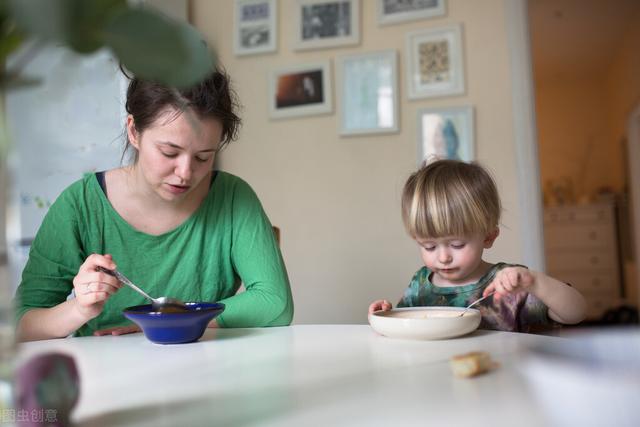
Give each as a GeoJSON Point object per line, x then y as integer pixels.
{"type": "Point", "coordinates": [452, 209]}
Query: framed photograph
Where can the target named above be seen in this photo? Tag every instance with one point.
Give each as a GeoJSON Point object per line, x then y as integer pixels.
{"type": "Point", "coordinates": [326, 23]}
{"type": "Point", "coordinates": [369, 93]}
{"type": "Point", "coordinates": [255, 26]}
{"type": "Point", "coordinates": [434, 62]}
{"type": "Point", "coordinates": [394, 11]}
{"type": "Point", "coordinates": [446, 133]}
{"type": "Point", "coordinates": [301, 90]}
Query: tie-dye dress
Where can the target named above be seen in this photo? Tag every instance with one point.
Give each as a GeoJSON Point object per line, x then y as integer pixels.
{"type": "Point", "coordinates": [521, 312]}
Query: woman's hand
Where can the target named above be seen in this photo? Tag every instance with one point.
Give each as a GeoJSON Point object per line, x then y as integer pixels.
{"type": "Point", "coordinates": [381, 304]}
{"type": "Point", "coordinates": [118, 330]}
{"type": "Point", "coordinates": [92, 287]}
{"type": "Point", "coordinates": [510, 280]}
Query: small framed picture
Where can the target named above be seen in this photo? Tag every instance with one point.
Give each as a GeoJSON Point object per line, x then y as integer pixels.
{"type": "Point", "coordinates": [434, 62]}
{"type": "Point", "coordinates": [255, 26]}
{"type": "Point", "coordinates": [326, 23]}
{"type": "Point", "coordinates": [394, 11]}
{"type": "Point", "coordinates": [446, 133]}
{"type": "Point", "coordinates": [300, 90]}
{"type": "Point", "coordinates": [369, 93]}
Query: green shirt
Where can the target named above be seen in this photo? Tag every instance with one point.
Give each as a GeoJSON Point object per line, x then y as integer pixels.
{"type": "Point", "coordinates": [228, 239]}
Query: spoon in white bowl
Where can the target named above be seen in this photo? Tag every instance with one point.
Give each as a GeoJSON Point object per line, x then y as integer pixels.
{"type": "Point", "coordinates": [474, 303]}
{"type": "Point", "coordinates": [157, 304]}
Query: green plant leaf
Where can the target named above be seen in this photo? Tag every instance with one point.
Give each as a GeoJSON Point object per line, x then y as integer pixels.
{"type": "Point", "coordinates": [12, 81]}
{"type": "Point", "coordinates": [46, 19]}
{"type": "Point", "coordinates": [8, 44]}
{"type": "Point", "coordinates": [78, 24]}
{"type": "Point", "coordinates": [10, 36]}
{"type": "Point", "coordinates": [88, 22]}
{"type": "Point", "coordinates": [156, 48]}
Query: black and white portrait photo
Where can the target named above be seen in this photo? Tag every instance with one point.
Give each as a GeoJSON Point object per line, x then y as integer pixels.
{"type": "Point", "coordinates": [394, 11]}
{"type": "Point", "coordinates": [254, 36]}
{"type": "Point", "coordinates": [324, 23]}
{"type": "Point", "coordinates": [403, 6]}
{"type": "Point", "coordinates": [332, 19]}
{"type": "Point", "coordinates": [255, 29]}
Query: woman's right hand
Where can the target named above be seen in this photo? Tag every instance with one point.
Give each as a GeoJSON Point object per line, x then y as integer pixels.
{"type": "Point", "coordinates": [381, 304]}
{"type": "Point", "coordinates": [92, 287]}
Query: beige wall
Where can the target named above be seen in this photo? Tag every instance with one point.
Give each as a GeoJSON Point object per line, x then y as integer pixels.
{"type": "Point", "coordinates": [337, 199]}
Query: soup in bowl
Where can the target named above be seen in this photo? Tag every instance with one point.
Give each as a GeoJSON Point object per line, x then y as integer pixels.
{"type": "Point", "coordinates": [425, 323]}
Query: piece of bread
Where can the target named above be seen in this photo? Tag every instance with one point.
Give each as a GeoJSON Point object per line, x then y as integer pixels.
{"type": "Point", "coordinates": [471, 364]}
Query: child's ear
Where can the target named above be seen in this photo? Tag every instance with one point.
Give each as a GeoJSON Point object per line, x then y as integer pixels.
{"type": "Point", "coordinates": [491, 237]}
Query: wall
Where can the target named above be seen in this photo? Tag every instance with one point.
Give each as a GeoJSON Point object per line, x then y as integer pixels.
{"type": "Point", "coordinates": [336, 199]}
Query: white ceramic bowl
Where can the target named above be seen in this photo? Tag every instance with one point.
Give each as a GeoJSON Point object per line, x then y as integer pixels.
{"type": "Point", "coordinates": [424, 323]}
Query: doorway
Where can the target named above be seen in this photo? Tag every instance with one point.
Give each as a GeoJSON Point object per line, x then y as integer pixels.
{"type": "Point", "coordinates": [581, 86]}
{"type": "Point", "coordinates": [633, 150]}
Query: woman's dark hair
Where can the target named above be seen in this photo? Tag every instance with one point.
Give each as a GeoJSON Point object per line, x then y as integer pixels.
{"type": "Point", "coordinates": [213, 97]}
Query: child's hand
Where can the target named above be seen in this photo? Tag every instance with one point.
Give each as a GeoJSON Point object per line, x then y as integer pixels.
{"type": "Point", "coordinates": [381, 304]}
{"type": "Point", "coordinates": [510, 280]}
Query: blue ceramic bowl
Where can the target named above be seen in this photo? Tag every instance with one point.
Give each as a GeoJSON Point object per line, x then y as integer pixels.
{"type": "Point", "coordinates": [174, 328]}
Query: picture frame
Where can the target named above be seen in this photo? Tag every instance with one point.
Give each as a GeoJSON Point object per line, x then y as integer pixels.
{"type": "Point", "coordinates": [255, 29]}
{"type": "Point", "coordinates": [397, 11]}
{"type": "Point", "coordinates": [446, 133]}
{"type": "Point", "coordinates": [326, 23]}
{"type": "Point", "coordinates": [368, 84]}
{"type": "Point", "coordinates": [300, 90]}
{"type": "Point", "coordinates": [435, 65]}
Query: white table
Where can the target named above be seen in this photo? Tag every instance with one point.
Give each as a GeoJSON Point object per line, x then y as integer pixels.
{"type": "Point", "coordinates": [304, 375]}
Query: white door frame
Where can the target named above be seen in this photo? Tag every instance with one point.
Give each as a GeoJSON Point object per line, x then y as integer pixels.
{"type": "Point", "coordinates": [524, 125]}
{"type": "Point", "coordinates": [633, 156]}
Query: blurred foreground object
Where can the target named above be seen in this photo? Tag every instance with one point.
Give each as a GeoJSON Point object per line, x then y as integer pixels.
{"type": "Point", "coordinates": [149, 44]}
{"type": "Point", "coordinates": [592, 378]}
{"type": "Point", "coordinates": [47, 388]}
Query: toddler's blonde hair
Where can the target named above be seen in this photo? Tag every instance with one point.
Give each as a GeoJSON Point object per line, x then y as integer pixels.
{"type": "Point", "coordinates": [450, 198]}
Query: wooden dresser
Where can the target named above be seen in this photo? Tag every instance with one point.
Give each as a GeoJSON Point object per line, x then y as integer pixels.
{"type": "Point", "coordinates": [581, 248]}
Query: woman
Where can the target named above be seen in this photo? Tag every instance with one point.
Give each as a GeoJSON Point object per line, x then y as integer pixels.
{"type": "Point", "coordinates": [167, 221]}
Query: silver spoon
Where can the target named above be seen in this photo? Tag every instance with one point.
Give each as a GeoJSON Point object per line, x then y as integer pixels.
{"type": "Point", "coordinates": [474, 303]}
{"type": "Point", "coordinates": [157, 304]}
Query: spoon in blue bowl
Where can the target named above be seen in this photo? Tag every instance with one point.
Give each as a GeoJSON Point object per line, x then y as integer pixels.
{"type": "Point", "coordinates": [161, 304]}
